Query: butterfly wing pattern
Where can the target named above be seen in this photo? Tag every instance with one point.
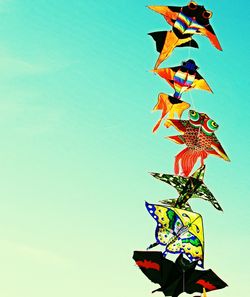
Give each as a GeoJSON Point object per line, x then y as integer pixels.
{"type": "Point", "coordinates": [179, 230]}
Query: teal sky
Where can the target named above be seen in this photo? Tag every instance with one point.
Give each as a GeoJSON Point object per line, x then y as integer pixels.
{"type": "Point", "coordinates": [76, 145]}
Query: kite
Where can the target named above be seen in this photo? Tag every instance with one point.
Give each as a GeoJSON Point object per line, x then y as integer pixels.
{"type": "Point", "coordinates": [185, 21]}
{"type": "Point", "coordinates": [176, 277]}
{"type": "Point", "coordinates": [199, 137]}
{"type": "Point", "coordinates": [181, 78]}
{"type": "Point", "coordinates": [169, 105]}
{"type": "Point", "coordinates": [181, 231]}
{"type": "Point", "coordinates": [187, 187]}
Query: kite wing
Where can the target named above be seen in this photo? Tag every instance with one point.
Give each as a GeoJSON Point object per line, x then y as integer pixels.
{"type": "Point", "coordinates": [190, 238]}
{"type": "Point", "coordinates": [159, 38]}
{"type": "Point", "coordinates": [161, 271]}
{"type": "Point", "coordinates": [167, 74]}
{"type": "Point", "coordinates": [170, 13]}
{"type": "Point", "coordinates": [209, 32]}
{"type": "Point", "coordinates": [217, 149]}
{"type": "Point", "coordinates": [200, 83]}
{"type": "Point", "coordinates": [204, 193]}
{"type": "Point", "coordinates": [175, 278]}
{"type": "Point", "coordinates": [154, 266]}
{"type": "Point", "coordinates": [179, 230]}
{"type": "Point", "coordinates": [198, 280]}
{"type": "Point", "coordinates": [178, 182]}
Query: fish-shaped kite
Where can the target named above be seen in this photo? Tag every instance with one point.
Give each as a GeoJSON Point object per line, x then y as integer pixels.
{"type": "Point", "coordinates": [199, 137]}
{"type": "Point", "coordinates": [185, 21]}
{"type": "Point", "coordinates": [180, 231]}
{"type": "Point", "coordinates": [187, 187]}
{"type": "Point", "coordinates": [176, 277]}
{"type": "Point", "coordinates": [171, 106]}
{"type": "Point", "coordinates": [182, 79]}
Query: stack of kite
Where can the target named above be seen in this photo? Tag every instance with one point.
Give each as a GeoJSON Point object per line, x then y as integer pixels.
{"type": "Point", "coordinates": [179, 229]}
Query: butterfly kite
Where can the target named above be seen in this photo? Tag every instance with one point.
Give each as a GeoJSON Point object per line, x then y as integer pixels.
{"type": "Point", "coordinates": [185, 21]}
{"type": "Point", "coordinates": [180, 231]}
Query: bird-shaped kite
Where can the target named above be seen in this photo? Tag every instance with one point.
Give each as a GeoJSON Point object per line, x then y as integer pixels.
{"type": "Point", "coordinates": [176, 277]}
{"type": "Point", "coordinates": [199, 137]}
{"type": "Point", "coordinates": [182, 79]}
{"type": "Point", "coordinates": [180, 231]}
{"type": "Point", "coordinates": [187, 187]}
{"type": "Point", "coordinates": [185, 21]}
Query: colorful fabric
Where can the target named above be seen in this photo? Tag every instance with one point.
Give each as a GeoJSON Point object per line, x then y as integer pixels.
{"type": "Point", "coordinates": [199, 137]}
{"type": "Point", "coordinates": [186, 25]}
{"type": "Point", "coordinates": [180, 231]}
{"type": "Point", "coordinates": [185, 21]}
{"type": "Point", "coordinates": [183, 78]}
{"type": "Point", "coordinates": [187, 187]}
{"type": "Point", "coordinates": [169, 105]}
{"type": "Point", "coordinates": [182, 82]}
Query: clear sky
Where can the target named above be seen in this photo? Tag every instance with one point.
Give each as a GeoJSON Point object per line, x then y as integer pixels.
{"type": "Point", "coordinates": [76, 145]}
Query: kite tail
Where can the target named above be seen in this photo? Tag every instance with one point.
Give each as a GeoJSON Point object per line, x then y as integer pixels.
{"type": "Point", "coordinates": [204, 293]}
{"type": "Point", "coordinates": [188, 158]}
{"type": "Point", "coordinates": [152, 245]}
{"type": "Point", "coordinates": [157, 125]}
{"type": "Point", "coordinates": [164, 105]}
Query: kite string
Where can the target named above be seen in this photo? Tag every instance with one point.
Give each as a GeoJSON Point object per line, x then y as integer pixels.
{"type": "Point", "coordinates": [189, 57]}
{"type": "Point", "coordinates": [183, 280]}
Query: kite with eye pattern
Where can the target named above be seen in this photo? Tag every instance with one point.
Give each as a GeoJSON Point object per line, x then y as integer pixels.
{"type": "Point", "coordinates": [176, 277]}
{"type": "Point", "coordinates": [199, 137]}
{"type": "Point", "coordinates": [185, 21]}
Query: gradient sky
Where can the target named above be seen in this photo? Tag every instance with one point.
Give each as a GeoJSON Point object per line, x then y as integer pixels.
{"type": "Point", "coordinates": [76, 145]}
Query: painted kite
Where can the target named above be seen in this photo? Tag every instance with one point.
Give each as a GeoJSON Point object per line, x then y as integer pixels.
{"type": "Point", "coordinates": [169, 105]}
{"type": "Point", "coordinates": [187, 187]}
{"type": "Point", "coordinates": [180, 231]}
{"type": "Point", "coordinates": [185, 21]}
{"type": "Point", "coordinates": [176, 277]}
{"type": "Point", "coordinates": [199, 137]}
{"type": "Point", "coordinates": [182, 79]}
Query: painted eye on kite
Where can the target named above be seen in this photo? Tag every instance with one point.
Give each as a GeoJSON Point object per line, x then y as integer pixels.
{"type": "Point", "coordinates": [192, 5]}
{"type": "Point", "coordinates": [207, 14]}
{"type": "Point", "coordinates": [194, 116]}
{"type": "Point", "coordinates": [185, 215]}
{"type": "Point", "coordinates": [212, 125]}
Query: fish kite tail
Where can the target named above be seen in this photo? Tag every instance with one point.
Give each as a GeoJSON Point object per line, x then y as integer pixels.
{"type": "Point", "coordinates": [157, 125]}
{"type": "Point", "coordinates": [164, 105]}
{"type": "Point", "coordinates": [187, 159]}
